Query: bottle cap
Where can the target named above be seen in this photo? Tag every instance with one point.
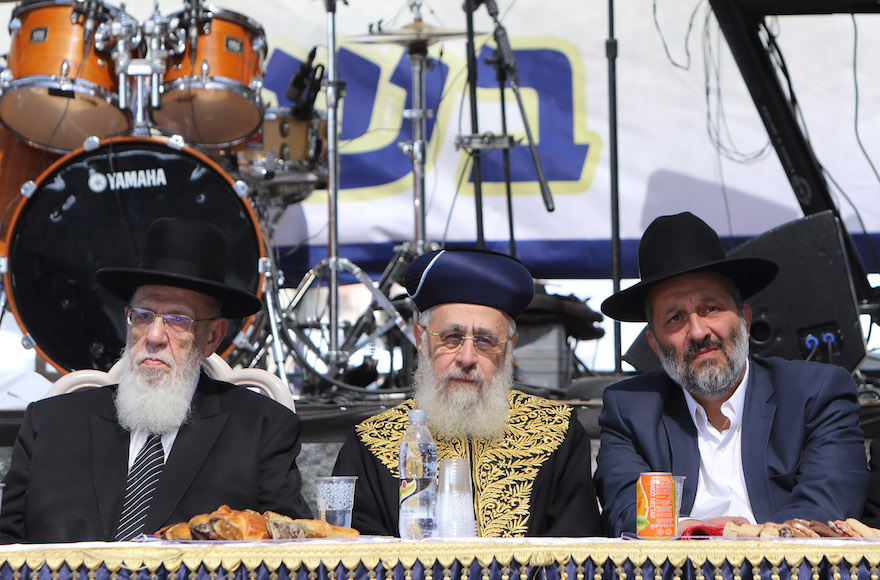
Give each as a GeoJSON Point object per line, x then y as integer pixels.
{"type": "Point", "coordinates": [417, 416]}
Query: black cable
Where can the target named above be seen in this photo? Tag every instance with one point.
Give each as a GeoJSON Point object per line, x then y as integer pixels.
{"type": "Point", "coordinates": [687, 50]}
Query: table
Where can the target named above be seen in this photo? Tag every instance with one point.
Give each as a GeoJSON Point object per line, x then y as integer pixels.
{"type": "Point", "coordinates": [473, 559]}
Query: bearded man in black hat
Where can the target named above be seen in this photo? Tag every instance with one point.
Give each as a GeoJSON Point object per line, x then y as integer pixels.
{"type": "Point", "coordinates": [758, 439]}
{"type": "Point", "coordinates": [532, 455]}
{"type": "Point", "coordinates": [77, 461]}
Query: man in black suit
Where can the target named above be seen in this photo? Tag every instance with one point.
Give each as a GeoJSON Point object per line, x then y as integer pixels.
{"type": "Point", "coordinates": [222, 444]}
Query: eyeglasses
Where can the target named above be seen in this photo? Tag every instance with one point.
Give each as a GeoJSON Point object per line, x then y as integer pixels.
{"type": "Point", "coordinates": [141, 318]}
{"type": "Point", "coordinates": [453, 340]}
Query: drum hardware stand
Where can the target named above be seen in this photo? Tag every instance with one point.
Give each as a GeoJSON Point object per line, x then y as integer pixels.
{"type": "Point", "coordinates": [270, 291]}
{"type": "Point", "coordinates": [127, 35]}
{"type": "Point", "coordinates": [333, 264]}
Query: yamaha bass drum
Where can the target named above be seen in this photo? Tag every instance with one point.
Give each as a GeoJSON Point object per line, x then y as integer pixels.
{"type": "Point", "coordinates": [91, 209]}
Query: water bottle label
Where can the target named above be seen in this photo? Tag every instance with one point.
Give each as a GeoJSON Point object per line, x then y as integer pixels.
{"type": "Point", "coordinates": [410, 487]}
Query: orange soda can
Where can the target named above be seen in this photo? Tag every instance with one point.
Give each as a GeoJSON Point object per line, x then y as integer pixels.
{"type": "Point", "coordinates": [655, 506]}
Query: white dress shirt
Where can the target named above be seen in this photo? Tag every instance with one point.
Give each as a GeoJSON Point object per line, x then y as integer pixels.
{"type": "Point", "coordinates": [721, 488]}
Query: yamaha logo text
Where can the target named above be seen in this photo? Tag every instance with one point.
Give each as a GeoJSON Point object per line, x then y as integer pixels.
{"type": "Point", "coordinates": [98, 182]}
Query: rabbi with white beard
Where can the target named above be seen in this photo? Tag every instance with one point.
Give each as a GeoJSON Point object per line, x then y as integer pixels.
{"type": "Point", "coordinates": [530, 456]}
{"type": "Point", "coordinates": [167, 442]}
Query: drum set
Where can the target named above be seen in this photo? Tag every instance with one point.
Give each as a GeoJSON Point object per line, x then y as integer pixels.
{"type": "Point", "coordinates": [107, 123]}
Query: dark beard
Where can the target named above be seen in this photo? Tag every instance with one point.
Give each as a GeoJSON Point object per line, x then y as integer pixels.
{"type": "Point", "coordinates": [708, 380]}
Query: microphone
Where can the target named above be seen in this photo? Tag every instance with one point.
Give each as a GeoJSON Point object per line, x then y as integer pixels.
{"type": "Point", "coordinates": [89, 9]}
{"type": "Point", "coordinates": [306, 104]}
{"type": "Point", "coordinates": [300, 81]}
{"type": "Point", "coordinates": [192, 17]}
{"type": "Point", "coordinates": [491, 7]}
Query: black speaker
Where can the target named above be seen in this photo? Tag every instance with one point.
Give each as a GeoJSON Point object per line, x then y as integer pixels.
{"type": "Point", "coordinates": [810, 310]}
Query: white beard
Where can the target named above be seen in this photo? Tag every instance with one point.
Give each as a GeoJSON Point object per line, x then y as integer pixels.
{"type": "Point", "coordinates": [479, 411]}
{"type": "Point", "coordinates": [156, 400]}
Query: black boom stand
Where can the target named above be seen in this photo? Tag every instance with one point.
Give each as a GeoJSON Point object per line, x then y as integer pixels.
{"type": "Point", "coordinates": [505, 64]}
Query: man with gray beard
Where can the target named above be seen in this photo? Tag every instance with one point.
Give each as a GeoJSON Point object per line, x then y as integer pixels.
{"type": "Point", "coordinates": [530, 456]}
{"type": "Point", "coordinates": [76, 461]}
{"type": "Point", "coordinates": [758, 439]}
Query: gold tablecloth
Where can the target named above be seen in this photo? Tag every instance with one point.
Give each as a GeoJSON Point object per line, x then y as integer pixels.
{"type": "Point", "coordinates": [477, 559]}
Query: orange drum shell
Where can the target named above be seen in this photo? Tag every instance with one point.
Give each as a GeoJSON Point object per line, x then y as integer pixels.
{"type": "Point", "coordinates": [18, 164]}
{"type": "Point", "coordinates": [211, 48]}
{"type": "Point", "coordinates": [63, 41]}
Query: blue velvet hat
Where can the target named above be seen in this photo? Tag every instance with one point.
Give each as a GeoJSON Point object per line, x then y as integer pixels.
{"type": "Point", "coordinates": [470, 277]}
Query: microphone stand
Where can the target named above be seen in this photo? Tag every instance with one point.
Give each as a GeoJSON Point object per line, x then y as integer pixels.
{"type": "Point", "coordinates": [509, 63]}
{"type": "Point", "coordinates": [611, 54]}
{"type": "Point", "coordinates": [501, 76]}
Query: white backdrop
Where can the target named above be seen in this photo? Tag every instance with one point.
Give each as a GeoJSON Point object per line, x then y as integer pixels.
{"type": "Point", "coordinates": [667, 160]}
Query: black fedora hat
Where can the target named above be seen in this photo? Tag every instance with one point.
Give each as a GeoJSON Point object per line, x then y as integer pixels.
{"type": "Point", "coordinates": [681, 244]}
{"type": "Point", "coordinates": [187, 254]}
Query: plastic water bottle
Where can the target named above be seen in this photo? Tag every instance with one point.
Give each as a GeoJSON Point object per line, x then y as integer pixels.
{"type": "Point", "coordinates": [418, 480]}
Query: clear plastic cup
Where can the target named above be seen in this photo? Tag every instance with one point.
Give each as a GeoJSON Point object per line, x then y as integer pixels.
{"type": "Point", "coordinates": [335, 498]}
{"type": "Point", "coordinates": [455, 500]}
{"type": "Point", "coordinates": [678, 480]}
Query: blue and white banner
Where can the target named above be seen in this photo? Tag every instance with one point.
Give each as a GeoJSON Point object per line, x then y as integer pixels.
{"type": "Point", "coordinates": [688, 133]}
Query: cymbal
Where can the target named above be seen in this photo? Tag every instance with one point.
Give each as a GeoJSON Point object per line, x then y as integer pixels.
{"type": "Point", "coordinates": [416, 33]}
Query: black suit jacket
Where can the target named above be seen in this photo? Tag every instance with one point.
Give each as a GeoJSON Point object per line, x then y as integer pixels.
{"type": "Point", "coordinates": [70, 462]}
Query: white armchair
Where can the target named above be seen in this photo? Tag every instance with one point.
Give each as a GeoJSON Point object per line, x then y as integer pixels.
{"type": "Point", "coordinates": [217, 368]}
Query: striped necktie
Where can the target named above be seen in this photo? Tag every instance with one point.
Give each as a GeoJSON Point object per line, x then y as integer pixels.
{"type": "Point", "coordinates": [143, 478]}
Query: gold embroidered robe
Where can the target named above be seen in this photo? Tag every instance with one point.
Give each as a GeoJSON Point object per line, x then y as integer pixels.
{"type": "Point", "coordinates": [535, 480]}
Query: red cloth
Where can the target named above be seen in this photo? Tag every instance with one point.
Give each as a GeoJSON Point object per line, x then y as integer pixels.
{"type": "Point", "coordinates": [701, 531]}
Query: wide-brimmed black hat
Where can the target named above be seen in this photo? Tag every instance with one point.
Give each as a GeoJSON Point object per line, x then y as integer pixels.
{"type": "Point", "coordinates": [470, 277]}
{"type": "Point", "coordinates": [187, 254]}
{"type": "Point", "coordinates": [680, 244]}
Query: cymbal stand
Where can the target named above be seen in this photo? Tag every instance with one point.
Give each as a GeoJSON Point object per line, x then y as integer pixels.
{"type": "Point", "coordinates": [336, 357]}
{"type": "Point", "coordinates": [417, 148]}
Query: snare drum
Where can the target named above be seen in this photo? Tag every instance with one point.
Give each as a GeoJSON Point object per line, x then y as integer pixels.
{"type": "Point", "coordinates": [211, 95]}
{"type": "Point", "coordinates": [54, 93]}
{"type": "Point", "coordinates": [92, 209]}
